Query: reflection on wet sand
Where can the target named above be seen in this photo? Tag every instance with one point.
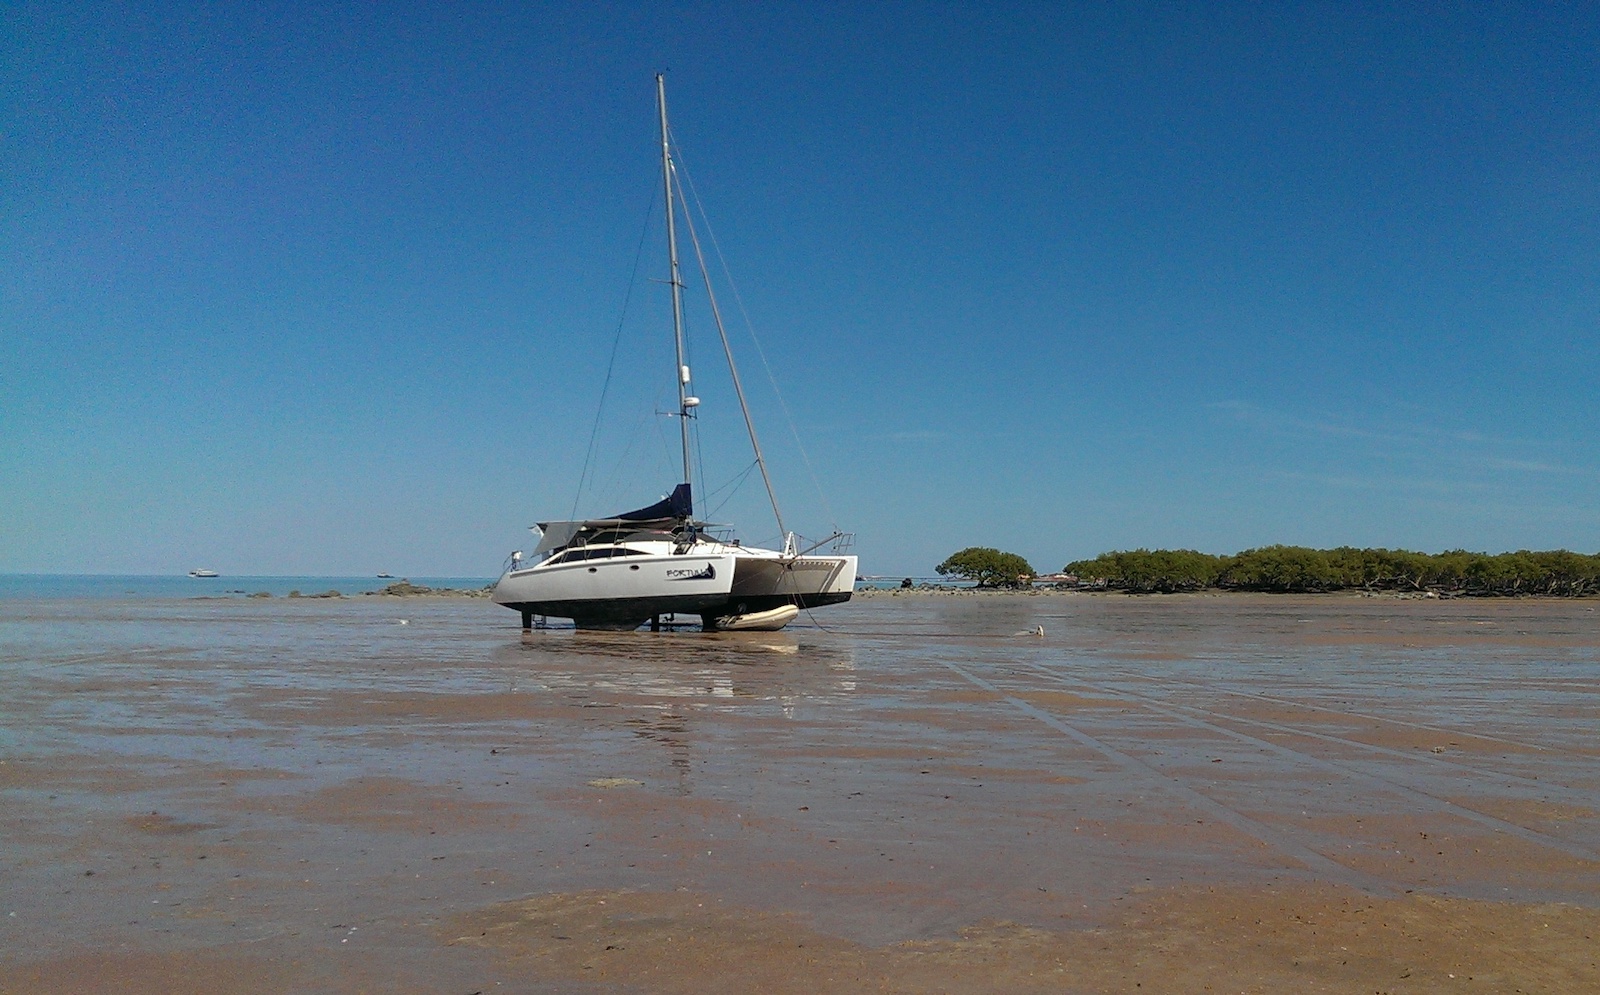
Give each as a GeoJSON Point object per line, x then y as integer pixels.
{"type": "Point", "coordinates": [712, 670]}
{"type": "Point", "coordinates": [756, 665]}
{"type": "Point", "coordinates": [677, 649]}
{"type": "Point", "coordinates": [1158, 794]}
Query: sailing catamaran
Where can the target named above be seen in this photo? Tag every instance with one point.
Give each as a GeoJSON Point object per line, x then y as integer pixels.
{"type": "Point", "coordinates": [631, 568]}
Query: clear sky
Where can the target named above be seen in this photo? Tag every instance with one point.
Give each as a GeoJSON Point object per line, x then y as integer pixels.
{"type": "Point", "coordinates": [333, 289]}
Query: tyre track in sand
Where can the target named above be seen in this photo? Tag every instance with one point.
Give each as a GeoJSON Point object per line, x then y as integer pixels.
{"type": "Point", "coordinates": [1313, 860]}
{"type": "Point", "coordinates": [1209, 720]}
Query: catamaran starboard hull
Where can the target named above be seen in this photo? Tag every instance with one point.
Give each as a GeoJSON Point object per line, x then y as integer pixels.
{"type": "Point", "coordinates": [763, 583]}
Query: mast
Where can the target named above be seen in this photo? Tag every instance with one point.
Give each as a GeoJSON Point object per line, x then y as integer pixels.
{"type": "Point", "coordinates": [681, 374]}
{"type": "Point", "coordinates": [733, 368]}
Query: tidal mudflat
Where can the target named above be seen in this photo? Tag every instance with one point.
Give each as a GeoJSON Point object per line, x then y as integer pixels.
{"type": "Point", "coordinates": [1233, 793]}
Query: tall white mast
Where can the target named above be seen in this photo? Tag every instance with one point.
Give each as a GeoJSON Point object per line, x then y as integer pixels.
{"type": "Point", "coordinates": [681, 374]}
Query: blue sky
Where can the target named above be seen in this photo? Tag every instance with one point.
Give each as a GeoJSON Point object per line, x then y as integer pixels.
{"type": "Point", "coordinates": [335, 291]}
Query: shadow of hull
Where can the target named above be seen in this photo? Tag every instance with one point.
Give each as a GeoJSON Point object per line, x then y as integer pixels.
{"type": "Point", "coordinates": [627, 614]}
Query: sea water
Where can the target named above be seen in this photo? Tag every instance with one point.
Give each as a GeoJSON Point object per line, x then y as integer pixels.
{"type": "Point", "coordinates": [103, 586]}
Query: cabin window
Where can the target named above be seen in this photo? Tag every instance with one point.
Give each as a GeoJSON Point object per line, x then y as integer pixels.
{"type": "Point", "coordinates": [604, 553]}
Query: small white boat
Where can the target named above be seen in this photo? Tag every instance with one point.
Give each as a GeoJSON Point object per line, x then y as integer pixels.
{"type": "Point", "coordinates": [768, 621]}
{"type": "Point", "coordinates": [204, 573]}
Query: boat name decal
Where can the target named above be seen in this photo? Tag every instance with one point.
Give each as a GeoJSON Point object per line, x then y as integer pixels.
{"type": "Point", "coordinates": [709, 572]}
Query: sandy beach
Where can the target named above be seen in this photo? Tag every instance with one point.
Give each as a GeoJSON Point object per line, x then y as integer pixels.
{"type": "Point", "coordinates": [909, 793]}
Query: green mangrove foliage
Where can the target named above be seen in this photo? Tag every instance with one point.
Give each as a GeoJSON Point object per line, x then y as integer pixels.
{"type": "Point", "coordinates": [987, 566]}
{"type": "Point", "coordinates": [1298, 568]}
{"type": "Point", "coordinates": [1145, 570]}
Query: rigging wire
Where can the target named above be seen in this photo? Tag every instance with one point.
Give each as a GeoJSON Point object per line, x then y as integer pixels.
{"type": "Point", "coordinates": [727, 349]}
{"type": "Point", "coordinates": [613, 491]}
{"type": "Point", "coordinates": [732, 487]}
{"type": "Point", "coordinates": [624, 482]}
{"type": "Point", "coordinates": [750, 330]}
{"type": "Point", "coordinates": [616, 342]}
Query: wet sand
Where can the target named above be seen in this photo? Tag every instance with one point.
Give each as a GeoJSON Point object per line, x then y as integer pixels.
{"type": "Point", "coordinates": [1191, 793]}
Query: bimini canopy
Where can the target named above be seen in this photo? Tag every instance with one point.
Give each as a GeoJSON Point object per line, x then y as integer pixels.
{"type": "Point", "coordinates": [674, 509]}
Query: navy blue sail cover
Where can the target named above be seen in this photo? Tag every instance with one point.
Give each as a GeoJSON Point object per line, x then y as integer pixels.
{"type": "Point", "coordinates": [678, 504]}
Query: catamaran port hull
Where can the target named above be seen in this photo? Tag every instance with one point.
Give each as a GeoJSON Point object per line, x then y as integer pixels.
{"type": "Point", "coordinates": [620, 593]}
{"type": "Point", "coordinates": [619, 615]}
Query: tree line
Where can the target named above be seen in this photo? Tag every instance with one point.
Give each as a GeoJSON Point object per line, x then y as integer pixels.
{"type": "Point", "coordinates": [1301, 569]}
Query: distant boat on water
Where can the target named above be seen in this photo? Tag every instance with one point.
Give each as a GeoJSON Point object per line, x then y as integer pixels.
{"type": "Point", "coordinates": [385, 576]}
{"type": "Point", "coordinates": [204, 573]}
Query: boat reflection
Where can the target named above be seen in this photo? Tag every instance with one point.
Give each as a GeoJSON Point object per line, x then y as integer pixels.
{"type": "Point", "coordinates": [615, 668]}
{"type": "Point", "coordinates": [762, 658]}
{"type": "Point", "coordinates": [665, 688]}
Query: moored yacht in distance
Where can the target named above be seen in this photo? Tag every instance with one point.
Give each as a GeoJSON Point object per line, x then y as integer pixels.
{"type": "Point", "coordinates": [204, 573]}
{"type": "Point", "coordinates": [622, 571]}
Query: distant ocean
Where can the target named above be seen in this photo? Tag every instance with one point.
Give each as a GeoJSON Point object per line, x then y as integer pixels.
{"type": "Point", "coordinates": [105, 586]}
{"type": "Point", "coordinates": [893, 583]}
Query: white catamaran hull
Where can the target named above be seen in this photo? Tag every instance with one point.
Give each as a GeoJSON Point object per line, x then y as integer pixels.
{"type": "Point", "coordinates": [619, 593]}
{"type": "Point", "coordinates": [625, 592]}
{"type": "Point", "coordinates": [766, 588]}
{"type": "Point", "coordinates": [763, 582]}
